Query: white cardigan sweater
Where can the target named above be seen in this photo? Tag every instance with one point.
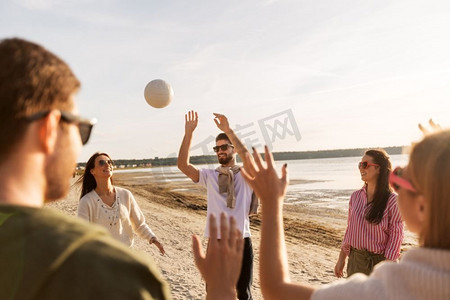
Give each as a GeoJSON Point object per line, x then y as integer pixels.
{"type": "Point", "coordinates": [121, 219]}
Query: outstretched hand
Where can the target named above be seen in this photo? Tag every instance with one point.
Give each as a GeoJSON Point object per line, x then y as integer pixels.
{"type": "Point", "coordinates": [221, 266]}
{"type": "Point", "coordinates": [221, 122]}
{"type": "Point", "coordinates": [191, 121]}
{"type": "Point", "coordinates": [434, 127]}
{"type": "Point", "coordinates": [264, 180]}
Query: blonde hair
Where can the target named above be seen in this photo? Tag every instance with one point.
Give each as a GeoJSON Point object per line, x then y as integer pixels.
{"type": "Point", "coordinates": [429, 167]}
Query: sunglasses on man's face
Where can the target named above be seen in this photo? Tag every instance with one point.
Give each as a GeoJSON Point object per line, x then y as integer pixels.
{"type": "Point", "coordinates": [103, 162]}
{"type": "Point", "coordinates": [223, 147]}
{"type": "Point", "coordinates": [84, 125]}
{"type": "Point", "coordinates": [364, 165]}
{"type": "Point", "coordinates": [397, 181]}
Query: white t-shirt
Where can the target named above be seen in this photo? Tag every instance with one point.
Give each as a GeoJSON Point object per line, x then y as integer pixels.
{"type": "Point", "coordinates": [217, 203]}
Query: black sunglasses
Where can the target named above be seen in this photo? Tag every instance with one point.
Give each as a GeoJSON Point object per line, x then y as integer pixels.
{"type": "Point", "coordinates": [103, 162]}
{"type": "Point", "coordinates": [223, 147]}
{"type": "Point", "coordinates": [84, 125]}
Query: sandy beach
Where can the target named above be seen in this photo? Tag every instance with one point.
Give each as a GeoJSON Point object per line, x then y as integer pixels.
{"type": "Point", "coordinates": [177, 210]}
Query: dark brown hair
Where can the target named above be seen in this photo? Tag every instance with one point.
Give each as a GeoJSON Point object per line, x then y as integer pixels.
{"type": "Point", "coordinates": [32, 79]}
{"type": "Point", "coordinates": [87, 179]}
{"type": "Point", "coordinates": [383, 189]}
{"type": "Point", "coordinates": [222, 136]}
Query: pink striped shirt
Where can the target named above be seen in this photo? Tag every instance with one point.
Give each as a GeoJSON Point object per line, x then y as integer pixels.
{"type": "Point", "coordinates": [383, 238]}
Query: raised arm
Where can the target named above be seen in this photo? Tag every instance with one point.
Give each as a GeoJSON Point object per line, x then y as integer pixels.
{"type": "Point", "coordinates": [221, 265]}
{"type": "Point", "coordinates": [270, 189]}
{"type": "Point", "coordinates": [191, 120]}
{"type": "Point", "coordinates": [222, 123]}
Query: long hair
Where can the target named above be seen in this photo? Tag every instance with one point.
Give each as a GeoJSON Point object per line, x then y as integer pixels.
{"type": "Point", "coordinates": [429, 169]}
{"type": "Point", "coordinates": [382, 189]}
{"type": "Point", "coordinates": [87, 179]}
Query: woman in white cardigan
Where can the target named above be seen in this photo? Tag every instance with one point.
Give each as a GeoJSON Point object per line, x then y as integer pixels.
{"type": "Point", "coordinates": [424, 201]}
{"type": "Point", "coordinates": [113, 207]}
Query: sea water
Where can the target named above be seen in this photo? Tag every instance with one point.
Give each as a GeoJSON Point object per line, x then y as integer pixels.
{"type": "Point", "coordinates": [329, 181]}
{"type": "Point", "coordinates": [326, 182]}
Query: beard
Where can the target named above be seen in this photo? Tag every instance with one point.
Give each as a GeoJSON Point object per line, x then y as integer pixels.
{"type": "Point", "coordinates": [57, 187]}
{"type": "Point", "coordinates": [223, 160]}
{"type": "Point", "coordinates": [59, 169]}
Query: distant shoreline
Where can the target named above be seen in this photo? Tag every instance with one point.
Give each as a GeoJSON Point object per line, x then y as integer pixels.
{"type": "Point", "coordinates": [209, 159]}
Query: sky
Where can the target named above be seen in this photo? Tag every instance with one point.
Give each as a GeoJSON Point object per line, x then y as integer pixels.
{"type": "Point", "coordinates": [296, 75]}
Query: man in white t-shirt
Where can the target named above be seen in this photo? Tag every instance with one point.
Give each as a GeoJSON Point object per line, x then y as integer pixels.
{"type": "Point", "coordinates": [227, 190]}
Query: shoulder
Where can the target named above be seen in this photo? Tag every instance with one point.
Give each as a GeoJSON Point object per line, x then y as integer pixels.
{"type": "Point", "coordinates": [50, 233]}
{"type": "Point", "coordinates": [353, 287]}
{"type": "Point", "coordinates": [88, 197]}
{"type": "Point", "coordinates": [207, 172]}
{"type": "Point", "coordinates": [358, 193]}
{"type": "Point", "coordinates": [121, 190]}
{"type": "Point", "coordinates": [393, 197]}
{"type": "Point", "coordinates": [97, 260]}
{"type": "Point", "coordinates": [64, 228]}
{"type": "Point", "coordinates": [112, 260]}
{"type": "Point", "coordinates": [108, 261]}
{"type": "Point", "coordinates": [86, 254]}
{"type": "Point", "coordinates": [123, 193]}
{"type": "Point", "coordinates": [392, 200]}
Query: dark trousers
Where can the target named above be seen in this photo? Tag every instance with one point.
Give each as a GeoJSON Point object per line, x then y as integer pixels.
{"type": "Point", "coordinates": [362, 261]}
{"type": "Point", "coordinates": [245, 281]}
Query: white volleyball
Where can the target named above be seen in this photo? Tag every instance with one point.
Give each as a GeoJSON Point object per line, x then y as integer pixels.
{"type": "Point", "coordinates": [158, 93]}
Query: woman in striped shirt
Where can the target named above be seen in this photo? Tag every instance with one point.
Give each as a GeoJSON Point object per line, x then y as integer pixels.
{"type": "Point", "coordinates": [374, 227]}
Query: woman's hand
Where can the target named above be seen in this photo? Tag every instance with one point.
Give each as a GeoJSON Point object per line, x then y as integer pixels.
{"type": "Point", "coordinates": [155, 241]}
{"type": "Point", "coordinates": [221, 266]}
{"type": "Point", "coordinates": [434, 127]}
{"type": "Point", "coordinates": [264, 180]}
{"type": "Point", "coordinates": [339, 268]}
{"type": "Point", "coordinates": [340, 264]}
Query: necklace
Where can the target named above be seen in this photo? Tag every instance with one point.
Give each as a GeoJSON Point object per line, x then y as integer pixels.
{"type": "Point", "coordinates": [111, 212]}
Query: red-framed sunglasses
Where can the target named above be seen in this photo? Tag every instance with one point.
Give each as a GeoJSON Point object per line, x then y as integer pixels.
{"type": "Point", "coordinates": [365, 164]}
{"type": "Point", "coordinates": [397, 181]}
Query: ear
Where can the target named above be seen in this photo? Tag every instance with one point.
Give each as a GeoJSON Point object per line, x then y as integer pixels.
{"type": "Point", "coordinates": [422, 209]}
{"type": "Point", "coordinates": [48, 131]}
